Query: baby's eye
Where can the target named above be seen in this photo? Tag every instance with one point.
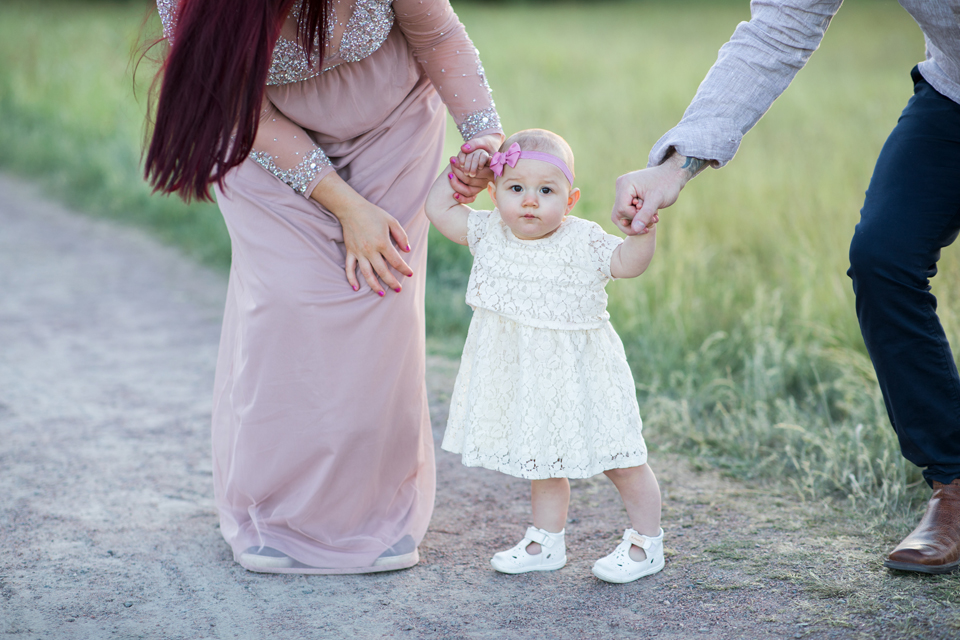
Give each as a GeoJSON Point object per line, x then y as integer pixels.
{"type": "Point", "coordinates": [516, 188]}
{"type": "Point", "coordinates": [546, 190]}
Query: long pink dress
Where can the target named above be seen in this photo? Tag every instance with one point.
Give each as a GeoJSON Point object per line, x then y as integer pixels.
{"type": "Point", "coordinates": [322, 446]}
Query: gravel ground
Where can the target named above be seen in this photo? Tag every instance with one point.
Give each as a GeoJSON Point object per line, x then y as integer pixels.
{"type": "Point", "coordinates": [107, 525]}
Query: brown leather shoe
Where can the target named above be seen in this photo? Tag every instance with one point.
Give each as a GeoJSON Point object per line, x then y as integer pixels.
{"type": "Point", "coordinates": [934, 546]}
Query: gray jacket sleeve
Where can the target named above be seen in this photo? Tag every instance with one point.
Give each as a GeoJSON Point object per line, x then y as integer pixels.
{"type": "Point", "coordinates": [751, 71]}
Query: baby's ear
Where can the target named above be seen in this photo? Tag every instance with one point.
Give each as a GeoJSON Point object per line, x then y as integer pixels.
{"type": "Point", "coordinates": [492, 190]}
{"type": "Point", "coordinates": [573, 199]}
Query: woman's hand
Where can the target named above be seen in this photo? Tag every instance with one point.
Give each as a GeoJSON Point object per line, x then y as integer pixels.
{"type": "Point", "coordinates": [369, 234]}
{"type": "Point", "coordinates": [471, 167]}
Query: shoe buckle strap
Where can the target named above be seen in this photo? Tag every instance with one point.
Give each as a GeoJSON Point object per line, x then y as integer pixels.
{"type": "Point", "coordinates": [640, 540]}
{"type": "Point", "coordinates": [540, 537]}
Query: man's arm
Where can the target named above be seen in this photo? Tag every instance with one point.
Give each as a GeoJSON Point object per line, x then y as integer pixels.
{"type": "Point", "coordinates": [641, 194]}
{"type": "Point", "coordinates": [752, 70]}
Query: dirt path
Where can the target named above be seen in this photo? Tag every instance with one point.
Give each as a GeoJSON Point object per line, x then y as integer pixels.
{"type": "Point", "coordinates": [107, 527]}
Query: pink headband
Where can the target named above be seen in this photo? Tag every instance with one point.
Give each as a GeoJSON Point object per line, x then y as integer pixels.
{"type": "Point", "coordinates": [514, 154]}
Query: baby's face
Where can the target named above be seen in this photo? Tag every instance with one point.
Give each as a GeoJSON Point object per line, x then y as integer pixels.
{"type": "Point", "coordinates": [533, 198]}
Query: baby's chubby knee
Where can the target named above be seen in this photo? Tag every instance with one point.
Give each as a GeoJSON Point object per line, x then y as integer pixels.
{"type": "Point", "coordinates": [626, 473]}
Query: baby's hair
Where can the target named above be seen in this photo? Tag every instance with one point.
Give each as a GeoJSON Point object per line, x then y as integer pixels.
{"type": "Point", "coordinates": [542, 140]}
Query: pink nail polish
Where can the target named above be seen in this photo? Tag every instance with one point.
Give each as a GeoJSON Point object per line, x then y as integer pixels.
{"type": "Point", "coordinates": [408, 247]}
{"type": "Point", "coordinates": [450, 175]}
{"type": "Point", "coordinates": [457, 196]}
{"type": "Point", "coordinates": [453, 161]}
{"type": "Point", "coordinates": [380, 293]}
{"type": "Point", "coordinates": [467, 147]}
{"type": "Point", "coordinates": [410, 276]}
{"type": "Point", "coordinates": [356, 288]}
{"type": "Point", "coordinates": [397, 289]}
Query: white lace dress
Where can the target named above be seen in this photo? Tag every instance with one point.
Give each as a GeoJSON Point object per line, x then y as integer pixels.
{"type": "Point", "coordinates": [544, 388]}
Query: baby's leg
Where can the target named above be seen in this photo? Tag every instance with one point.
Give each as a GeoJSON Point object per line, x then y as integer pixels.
{"type": "Point", "coordinates": [550, 498]}
{"type": "Point", "coordinates": [641, 496]}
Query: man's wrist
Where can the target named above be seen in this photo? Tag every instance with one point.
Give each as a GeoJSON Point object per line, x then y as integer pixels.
{"type": "Point", "coordinates": [686, 167]}
{"type": "Point", "coordinates": [693, 166]}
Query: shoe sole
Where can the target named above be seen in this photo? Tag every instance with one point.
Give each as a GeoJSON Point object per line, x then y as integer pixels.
{"type": "Point", "coordinates": [269, 564]}
{"type": "Point", "coordinates": [265, 564]}
{"type": "Point", "coordinates": [922, 568]}
{"type": "Point", "coordinates": [406, 559]}
{"type": "Point", "coordinates": [621, 579]}
{"type": "Point", "coordinates": [515, 570]}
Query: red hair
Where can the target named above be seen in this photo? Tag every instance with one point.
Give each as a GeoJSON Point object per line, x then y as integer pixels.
{"type": "Point", "coordinates": [213, 82]}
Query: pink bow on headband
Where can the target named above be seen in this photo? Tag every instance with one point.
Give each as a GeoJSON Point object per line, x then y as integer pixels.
{"type": "Point", "coordinates": [511, 157]}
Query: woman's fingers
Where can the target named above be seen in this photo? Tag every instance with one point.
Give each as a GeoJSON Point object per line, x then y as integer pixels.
{"type": "Point", "coordinates": [369, 234]}
{"type": "Point", "coordinates": [461, 190]}
{"type": "Point", "coordinates": [400, 237]}
{"type": "Point", "coordinates": [377, 269]}
{"type": "Point", "coordinates": [382, 269]}
{"type": "Point", "coordinates": [351, 269]}
{"type": "Point", "coordinates": [469, 186]}
{"type": "Point", "coordinates": [367, 270]}
{"type": "Point", "coordinates": [393, 256]}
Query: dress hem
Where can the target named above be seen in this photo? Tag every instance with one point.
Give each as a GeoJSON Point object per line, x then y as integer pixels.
{"type": "Point", "coordinates": [335, 571]}
{"type": "Point", "coordinates": [600, 468]}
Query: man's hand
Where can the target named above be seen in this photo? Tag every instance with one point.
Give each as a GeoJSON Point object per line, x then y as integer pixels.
{"type": "Point", "coordinates": [641, 194]}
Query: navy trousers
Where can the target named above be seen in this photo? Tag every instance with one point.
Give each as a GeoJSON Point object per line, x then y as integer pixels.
{"type": "Point", "coordinates": [912, 211]}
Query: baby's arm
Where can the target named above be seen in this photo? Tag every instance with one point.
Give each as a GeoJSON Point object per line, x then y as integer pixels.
{"type": "Point", "coordinates": [446, 214]}
{"type": "Point", "coordinates": [633, 257]}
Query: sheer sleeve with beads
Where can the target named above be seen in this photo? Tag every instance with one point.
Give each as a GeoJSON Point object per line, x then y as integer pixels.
{"type": "Point", "coordinates": [284, 149]}
{"type": "Point", "coordinates": [356, 30]}
{"type": "Point", "coordinates": [281, 147]}
{"type": "Point", "coordinates": [440, 43]}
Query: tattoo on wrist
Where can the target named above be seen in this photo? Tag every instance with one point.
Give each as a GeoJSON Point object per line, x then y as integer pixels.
{"type": "Point", "coordinates": [693, 166]}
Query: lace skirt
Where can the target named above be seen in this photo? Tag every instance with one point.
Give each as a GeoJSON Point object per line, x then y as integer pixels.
{"type": "Point", "coordinates": [544, 403]}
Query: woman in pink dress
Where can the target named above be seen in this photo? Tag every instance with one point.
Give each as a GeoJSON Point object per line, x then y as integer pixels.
{"type": "Point", "coordinates": [320, 125]}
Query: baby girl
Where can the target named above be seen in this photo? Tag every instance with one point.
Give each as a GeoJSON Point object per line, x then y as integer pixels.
{"type": "Point", "coordinates": [544, 390]}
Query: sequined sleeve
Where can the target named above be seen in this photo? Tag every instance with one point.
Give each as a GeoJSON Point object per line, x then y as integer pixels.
{"type": "Point", "coordinates": [441, 45]}
{"type": "Point", "coordinates": [286, 151]}
{"type": "Point", "coordinates": [168, 16]}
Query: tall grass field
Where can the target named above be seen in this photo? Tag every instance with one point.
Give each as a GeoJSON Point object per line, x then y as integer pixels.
{"type": "Point", "coordinates": [741, 335]}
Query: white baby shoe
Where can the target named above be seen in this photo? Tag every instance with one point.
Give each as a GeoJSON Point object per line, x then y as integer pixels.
{"type": "Point", "coordinates": [619, 567]}
{"type": "Point", "coordinates": [552, 556]}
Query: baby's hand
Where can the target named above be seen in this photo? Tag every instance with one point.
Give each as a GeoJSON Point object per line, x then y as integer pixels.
{"type": "Point", "coordinates": [472, 163]}
{"type": "Point", "coordinates": [468, 170]}
{"type": "Point", "coordinates": [636, 204]}
{"type": "Point", "coordinates": [471, 167]}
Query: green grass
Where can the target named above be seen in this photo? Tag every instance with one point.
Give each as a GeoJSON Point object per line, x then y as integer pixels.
{"type": "Point", "coordinates": [741, 335]}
